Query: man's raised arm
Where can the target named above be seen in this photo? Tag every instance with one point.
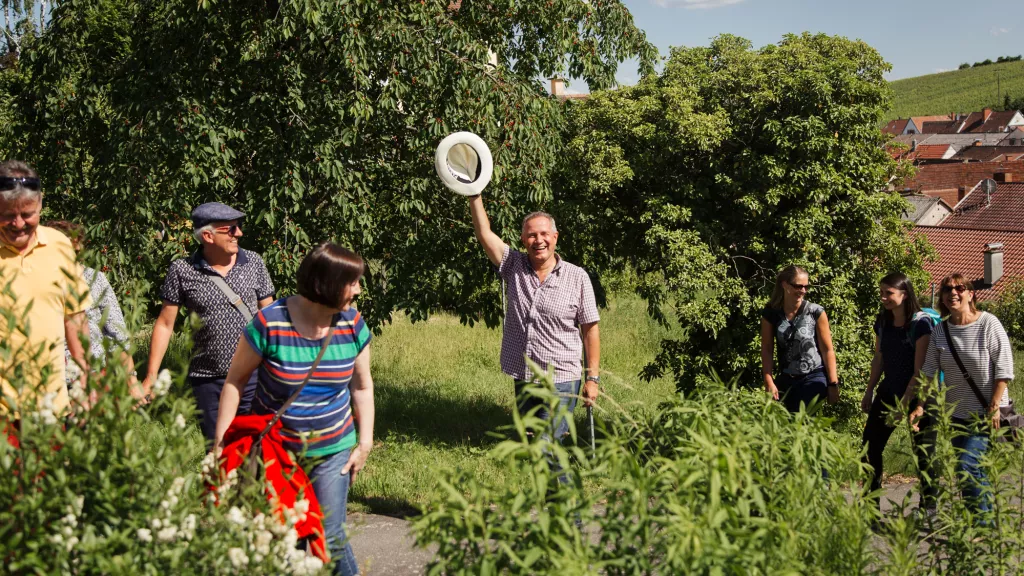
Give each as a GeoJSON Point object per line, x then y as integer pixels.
{"type": "Point", "coordinates": [493, 245]}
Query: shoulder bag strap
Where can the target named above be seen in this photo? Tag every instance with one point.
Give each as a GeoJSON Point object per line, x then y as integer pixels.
{"type": "Point", "coordinates": [963, 370]}
{"type": "Point", "coordinates": [234, 298]}
{"type": "Point", "coordinates": [295, 395]}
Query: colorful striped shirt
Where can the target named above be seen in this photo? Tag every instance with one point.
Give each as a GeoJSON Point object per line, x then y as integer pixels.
{"type": "Point", "coordinates": [319, 422]}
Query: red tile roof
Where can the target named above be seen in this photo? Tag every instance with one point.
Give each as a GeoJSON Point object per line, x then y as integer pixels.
{"type": "Point", "coordinates": [1003, 211]}
{"type": "Point", "coordinates": [961, 250]}
{"type": "Point", "coordinates": [997, 121]}
{"type": "Point", "coordinates": [948, 195]}
{"type": "Point", "coordinates": [896, 127]}
{"type": "Point", "coordinates": [929, 152]}
{"type": "Point", "coordinates": [990, 153]}
{"type": "Point", "coordinates": [941, 127]}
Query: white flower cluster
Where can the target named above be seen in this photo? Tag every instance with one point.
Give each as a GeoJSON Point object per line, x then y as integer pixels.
{"type": "Point", "coordinates": [266, 538]}
{"type": "Point", "coordinates": [45, 413]}
{"type": "Point", "coordinates": [166, 528]}
{"type": "Point", "coordinates": [65, 536]}
{"type": "Point", "coordinates": [162, 384]}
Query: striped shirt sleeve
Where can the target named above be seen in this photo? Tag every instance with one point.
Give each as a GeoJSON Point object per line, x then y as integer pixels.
{"type": "Point", "coordinates": [360, 333]}
{"type": "Point", "coordinates": [999, 349]}
{"type": "Point", "coordinates": [256, 333]}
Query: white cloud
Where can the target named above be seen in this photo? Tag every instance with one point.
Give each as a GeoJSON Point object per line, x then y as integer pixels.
{"type": "Point", "coordinates": [941, 70]}
{"type": "Point", "coordinates": [997, 31]}
{"type": "Point", "coordinates": [696, 4]}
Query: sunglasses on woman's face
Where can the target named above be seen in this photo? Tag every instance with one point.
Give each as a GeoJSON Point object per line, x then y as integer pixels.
{"type": "Point", "coordinates": [12, 182]}
{"type": "Point", "coordinates": [960, 289]}
{"type": "Point", "coordinates": [800, 286]}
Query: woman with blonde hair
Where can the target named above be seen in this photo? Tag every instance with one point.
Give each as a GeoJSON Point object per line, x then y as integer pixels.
{"type": "Point", "coordinates": [972, 350]}
{"type": "Point", "coordinates": [799, 332]}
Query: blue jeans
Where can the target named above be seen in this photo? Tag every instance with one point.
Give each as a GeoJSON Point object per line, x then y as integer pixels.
{"type": "Point", "coordinates": [805, 388]}
{"type": "Point", "coordinates": [207, 393]}
{"type": "Point", "coordinates": [974, 484]}
{"type": "Point", "coordinates": [331, 489]}
{"type": "Point", "coordinates": [568, 394]}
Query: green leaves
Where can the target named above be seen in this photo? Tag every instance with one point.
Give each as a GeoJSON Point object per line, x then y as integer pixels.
{"type": "Point", "coordinates": [731, 164]}
{"type": "Point", "coordinates": [317, 118]}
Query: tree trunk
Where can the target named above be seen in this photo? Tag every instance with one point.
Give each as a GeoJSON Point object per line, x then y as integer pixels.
{"type": "Point", "coordinates": [42, 16]}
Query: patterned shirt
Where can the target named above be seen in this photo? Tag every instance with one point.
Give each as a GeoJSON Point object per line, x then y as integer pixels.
{"type": "Point", "coordinates": [322, 414]}
{"type": "Point", "coordinates": [188, 285]}
{"type": "Point", "coordinates": [796, 343]}
{"type": "Point", "coordinates": [984, 348]}
{"type": "Point", "coordinates": [104, 304]}
{"type": "Point", "coordinates": [542, 319]}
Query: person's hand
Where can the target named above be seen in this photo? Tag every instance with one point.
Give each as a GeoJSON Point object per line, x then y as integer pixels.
{"type": "Point", "coordinates": [356, 461]}
{"type": "Point", "coordinates": [590, 392]}
{"type": "Point", "coordinates": [994, 415]}
{"type": "Point", "coordinates": [833, 395]}
{"type": "Point", "coordinates": [914, 416]}
{"type": "Point", "coordinates": [773, 391]}
{"type": "Point", "coordinates": [865, 402]}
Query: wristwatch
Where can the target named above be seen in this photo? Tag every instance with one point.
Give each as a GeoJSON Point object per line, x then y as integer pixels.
{"type": "Point", "coordinates": [594, 379]}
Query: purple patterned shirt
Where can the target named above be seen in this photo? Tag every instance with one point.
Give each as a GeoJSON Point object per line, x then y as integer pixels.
{"type": "Point", "coordinates": [542, 319]}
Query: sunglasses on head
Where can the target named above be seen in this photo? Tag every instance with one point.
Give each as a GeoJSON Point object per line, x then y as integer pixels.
{"type": "Point", "coordinates": [12, 182]}
{"type": "Point", "coordinates": [960, 289]}
{"type": "Point", "coordinates": [231, 230]}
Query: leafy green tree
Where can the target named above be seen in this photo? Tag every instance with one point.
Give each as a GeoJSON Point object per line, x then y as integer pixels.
{"type": "Point", "coordinates": [318, 118]}
{"type": "Point", "coordinates": [729, 165]}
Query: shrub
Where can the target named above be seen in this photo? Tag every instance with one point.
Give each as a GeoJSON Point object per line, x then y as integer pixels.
{"type": "Point", "coordinates": [120, 490]}
{"type": "Point", "coordinates": [1009, 308]}
{"type": "Point", "coordinates": [720, 482]}
{"type": "Point", "coordinates": [696, 486]}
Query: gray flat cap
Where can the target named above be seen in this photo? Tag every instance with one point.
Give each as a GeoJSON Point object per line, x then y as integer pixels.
{"type": "Point", "coordinates": [214, 212]}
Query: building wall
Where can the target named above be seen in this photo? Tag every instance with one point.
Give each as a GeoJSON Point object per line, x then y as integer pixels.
{"type": "Point", "coordinates": [934, 216]}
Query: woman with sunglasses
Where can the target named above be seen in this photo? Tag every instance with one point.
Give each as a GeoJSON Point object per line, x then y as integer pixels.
{"type": "Point", "coordinates": [799, 332]}
{"type": "Point", "coordinates": [981, 343]}
{"type": "Point", "coordinates": [902, 334]}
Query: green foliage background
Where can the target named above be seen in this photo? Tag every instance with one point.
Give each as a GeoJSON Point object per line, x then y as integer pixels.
{"type": "Point", "coordinates": [318, 118]}
{"type": "Point", "coordinates": [731, 164]}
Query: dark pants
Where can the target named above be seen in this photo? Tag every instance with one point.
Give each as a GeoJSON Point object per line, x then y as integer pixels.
{"type": "Point", "coordinates": [568, 394]}
{"type": "Point", "coordinates": [804, 388]}
{"type": "Point", "coordinates": [877, 433]}
{"type": "Point", "coordinates": [207, 393]}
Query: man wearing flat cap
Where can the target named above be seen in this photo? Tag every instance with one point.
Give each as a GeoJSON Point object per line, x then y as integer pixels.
{"type": "Point", "coordinates": [225, 285]}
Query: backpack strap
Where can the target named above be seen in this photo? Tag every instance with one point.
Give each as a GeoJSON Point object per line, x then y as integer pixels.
{"type": "Point", "coordinates": [963, 369]}
{"type": "Point", "coordinates": [233, 297]}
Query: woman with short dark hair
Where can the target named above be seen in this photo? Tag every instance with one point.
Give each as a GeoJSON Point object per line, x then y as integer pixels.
{"type": "Point", "coordinates": [902, 334]}
{"type": "Point", "coordinates": [983, 347]}
{"type": "Point", "coordinates": [330, 424]}
{"type": "Point", "coordinates": [800, 334]}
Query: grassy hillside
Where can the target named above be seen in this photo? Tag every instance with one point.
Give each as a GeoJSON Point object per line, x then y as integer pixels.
{"type": "Point", "coordinates": [958, 91]}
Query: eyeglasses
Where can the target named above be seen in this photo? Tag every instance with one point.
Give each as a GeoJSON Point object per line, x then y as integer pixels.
{"type": "Point", "coordinates": [800, 286]}
{"type": "Point", "coordinates": [230, 230]}
{"type": "Point", "coordinates": [12, 182]}
{"type": "Point", "coordinates": [960, 289]}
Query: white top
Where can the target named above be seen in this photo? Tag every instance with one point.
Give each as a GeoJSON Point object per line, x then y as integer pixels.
{"type": "Point", "coordinates": [984, 348]}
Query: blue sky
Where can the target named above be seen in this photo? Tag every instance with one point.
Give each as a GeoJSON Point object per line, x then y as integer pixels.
{"type": "Point", "coordinates": [915, 36]}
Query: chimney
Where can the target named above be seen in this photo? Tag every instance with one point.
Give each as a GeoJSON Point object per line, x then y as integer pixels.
{"type": "Point", "coordinates": [1003, 177]}
{"type": "Point", "coordinates": [913, 145]}
{"type": "Point", "coordinates": [985, 114]}
{"type": "Point", "coordinates": [993, 263]}
{"type": "Point", "coordinates": [960, 193]}
{"type": "Point", "coordinates": [557, 87]}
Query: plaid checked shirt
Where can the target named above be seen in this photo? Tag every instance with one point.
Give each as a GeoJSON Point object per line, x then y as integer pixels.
{"type": "Point", "coordinates": [542, 320]}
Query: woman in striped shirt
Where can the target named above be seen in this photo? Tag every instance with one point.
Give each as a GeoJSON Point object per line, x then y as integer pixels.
{"type": "Point", "coordinates": [984, 348]}
{"type": "Point", "coordinates": [330, 424]}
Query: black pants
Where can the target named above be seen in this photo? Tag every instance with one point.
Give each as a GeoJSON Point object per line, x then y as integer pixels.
{"type": "Point", "coordinates": [877, 434]}
{"type": "Point", "coordinates": [207, 393]}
